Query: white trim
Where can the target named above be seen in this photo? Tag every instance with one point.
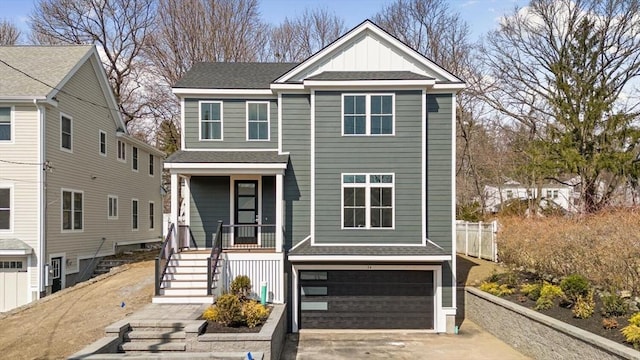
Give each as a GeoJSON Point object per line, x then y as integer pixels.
{"type": "Point", "coordinates": [312, 162]}
{"type": "Point", "coordinates": [367, 185]}
{"type": "Point", "coordinates": [42, 200]}
{"type": "Point", "coordinates": [279, 123]}
{"type": "Point", "coordinates": [121, 150]}
{"type": "Point", "coordinates": [367, 114]}
{"type": "Point", "coordinates": [186, 195]}
{"type": "Point", "coordinates": [175, 206]}
{"type": "Point", "coordinates": [135, 159]}
{"type": "Point", "coordinates": [151, 218]}
{"type": "Point", "coordinates": [247, 103]}
{"type": "Point", "coordinates": [137, 202]}
{"type": "Point", "coordinates": [133, 242]}
{"type": "Point", "coordinates": [373, 258]}
{"type": "Point", "coordinates": [117, 210]}
{"type": "Point", "coordinates": [100, 133]}
{"type": "Point", "coordinates": [236, 150]}
{"type": "Point", "coordinates": [16, 252]}
{"type": "Point", "coordinates": [453, 201]}
{"type": "Point", "coordinates": [12, 209]}
{"type": "Point", "coordinates": [183, 146]}
{"type": "Point", "coordinates": [278, 86]}
{"type": "Point", "coordinates": [73, 215]}
{"type": "Point", "coordinates": [300, 242]}
{"type": "Point", "coordinates": [12, 126]}
{"type": "Point", "coordinates": [368, 244]}
{"type": "Point", "coordinates": [450, 86]}
{"type": "Point", "coordinates": [372, 83]}
{"type": "Point", "coordinates": [232, 201]}
{"type": "Point", "coordinates": [221, 121]}
{"type": "Point", "coordinates": [279, 212]}
{"type": "Point", "coordinates": [230, 166]}
{"type": "Point", "coordinates": [423, 168]}
{"type": "Point", "coordinates": [209, 91]}
{"type": "Point", "coordinates": [63, 115]}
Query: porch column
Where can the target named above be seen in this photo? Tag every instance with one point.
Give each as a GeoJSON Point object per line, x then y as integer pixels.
{"type": "Point", "coordinates": [187, 200]}
{"type": "Point", "coordinates": [279, 213]}
{"type": "Point", "coordinates": [175, 207]}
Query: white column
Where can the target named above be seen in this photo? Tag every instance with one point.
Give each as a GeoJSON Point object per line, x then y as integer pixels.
{"type": "Point", "coordinates": [279, 213]}
{"type": "Point", "coordinates": [175, 207]}
{"type": "Point", "coordinates": [187, 200]}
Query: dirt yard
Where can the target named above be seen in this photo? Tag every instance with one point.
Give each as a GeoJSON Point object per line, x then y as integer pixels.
{"type": "Point", "coordinates": [471, 271]}
{"type": "Point", "coordinates": [63, 323]}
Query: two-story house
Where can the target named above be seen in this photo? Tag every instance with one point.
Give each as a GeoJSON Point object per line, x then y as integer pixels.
{"type": "Point", "coordinates": [74, 185]}
{"type": "Point", "coordinates": [333, 179]}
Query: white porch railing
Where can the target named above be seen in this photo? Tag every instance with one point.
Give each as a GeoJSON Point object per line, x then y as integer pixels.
{"type": "Point", "coordinates": [477, 239]}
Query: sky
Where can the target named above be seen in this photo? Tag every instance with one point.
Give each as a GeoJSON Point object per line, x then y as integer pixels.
{"type": "Point", "coordinates": [481, 15]}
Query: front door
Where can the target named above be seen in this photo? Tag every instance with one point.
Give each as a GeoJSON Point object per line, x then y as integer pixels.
{"type": "Point", "coordinates": [247, 214]}
{"type": "Point", "coordinates": [56, 274]}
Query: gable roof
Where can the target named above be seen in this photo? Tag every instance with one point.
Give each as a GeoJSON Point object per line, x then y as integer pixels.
{"type": "Point", "coordinates": [33, 71]}
{"type": "Point", "coordinates": [368, 75]}
{"type": "Point", "coordinates": [233, 75]}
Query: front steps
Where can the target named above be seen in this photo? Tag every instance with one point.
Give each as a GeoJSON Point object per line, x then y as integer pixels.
{"type": "Point", "coordinates": [148, 336]}
{"type": "Point", "coordinates": [185, 281]}
{"type": "Point", "coordinates": [105, 265]}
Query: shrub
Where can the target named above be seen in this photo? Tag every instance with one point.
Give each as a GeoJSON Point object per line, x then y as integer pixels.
{"type": "Point", "coordinates": [609, 323]}
{"type": "Point", "coordinates": [241, 286]}
{"type": "Point", "coordinates": [548, 293]}
{"type": "Point", "coordinates": [229, 310]}
{"type": "Point", "coordinates": [496, 289]}
{"type": "Point", "coordinates": [584, 306]}
{"type": "Point", "coordinates": [614, 305]}
{"type": "Point", "coordinates": [254, 313]}
{"type": "Point", "coordinates": [210, 314]}
{"type": "Point", "coordinates": [632, 331]}
{"type": "Point", "coordinates": [532, 291]}
{"type": "Point", "coordinates": [574, 287]}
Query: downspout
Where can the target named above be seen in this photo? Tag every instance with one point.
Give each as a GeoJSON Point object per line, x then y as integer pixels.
{"type": "Point", "coordinates": [42, 209]}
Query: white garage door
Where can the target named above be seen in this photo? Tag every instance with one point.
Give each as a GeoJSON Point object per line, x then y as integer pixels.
{"type": "Point", "coordinates": [13, 283]}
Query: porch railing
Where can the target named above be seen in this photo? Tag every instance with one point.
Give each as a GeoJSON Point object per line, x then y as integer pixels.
{"type": "Point", "coordinates": [252, 236]}
{"type": "Point", "coordinates": [162, 261]}
{"type": "Point", "coordinates": [214, 258]}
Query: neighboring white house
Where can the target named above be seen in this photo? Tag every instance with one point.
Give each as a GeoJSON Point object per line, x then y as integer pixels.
{"type": "Point", "coordinates": [74, 185]}
{"type": "Point", "coordinates": [563, 196]}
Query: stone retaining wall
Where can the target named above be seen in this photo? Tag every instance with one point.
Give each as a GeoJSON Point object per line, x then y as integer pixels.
{"type": "Point", "coordinates": [537, 335]}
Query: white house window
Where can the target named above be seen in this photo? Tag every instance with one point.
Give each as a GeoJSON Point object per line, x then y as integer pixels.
{"type": "Point", "coordinates": [5, 208]}
{"type": "Point", "coordinates": [66, 132]}
{"type": "Point", "coordinates": [112, 207]}
{"type": "Point", "coordinates": [151, 215]}
{"type": "Point", "coordinates": [555, 194]}
{"type": "Point", "coordinates": [122, 151]}
{"type": "Point", "coordinates": [368, 114]}
{"type": "Point", "coordinates": [211, 120]}
{"type": "Point", "coordinates": [103, 142]}
{"type": "Point", "coordinates": [134, 160]}
{"type": "Point", "coordinates": [367, 201]}
{"type": "Point", "coordinates": [151, 165]}
{"type": "Point", "coordinates": [134, 214]}
{"type": "Point", "coordinates": [257, 121]}
{"type": "Point", "coordinates": [5, 124]}
{"type": "Point", "coordinates": [72, 205]}
{"type": "Point", "coordinates": [509, 194]}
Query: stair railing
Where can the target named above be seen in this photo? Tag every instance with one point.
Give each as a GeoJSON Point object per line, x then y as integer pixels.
{"type": "Point", "coordinates": [162, 260]}
{"type": "Point", "coordinates": [214, 258]}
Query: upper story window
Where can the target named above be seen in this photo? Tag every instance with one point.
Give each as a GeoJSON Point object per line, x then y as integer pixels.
{"type": "Point", "coordinates": [134, 158]}
{"type": "Point", "coordinates": [258, 121]}
{"type": "Point", "coordinates": [368, 114]}
{"type": "Point", "coordinates": [103, 142]}
{"type": "Point", "coordinates": [151, 165]}
{"type": "Point", "coordinates": [66, 132]}
{"type": "Point", "coordinates": [5, 124]}
{"type": "Point", "coordinates": [122, 150]}
{"type": "Point", "coordinates": [72, 210]}
{"type": "Point", "coordinates": [5, 208]}
{"type": "Point", "coordinates": [367, 201]}
{"type": "Point", "coordinates": [210, 120]}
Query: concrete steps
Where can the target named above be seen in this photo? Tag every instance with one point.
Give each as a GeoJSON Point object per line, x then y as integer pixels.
{"type": "Point", "coordinates": [104, 266]}
{"type": "Point", "coordinates": [152, 336]}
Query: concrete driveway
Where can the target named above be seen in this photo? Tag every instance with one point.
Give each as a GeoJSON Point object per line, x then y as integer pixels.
{"type": "Point", "coordinates": [471, 343]}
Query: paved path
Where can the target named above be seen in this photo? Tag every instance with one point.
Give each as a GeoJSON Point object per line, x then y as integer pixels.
{"type": "Point", "coordinates": [471, 343]}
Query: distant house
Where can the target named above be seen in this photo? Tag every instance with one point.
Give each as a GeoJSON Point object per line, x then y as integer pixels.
{"type": "Point", "coordinates": [74, 185]}
{"type": "Point", "coordinates": [553, 195]}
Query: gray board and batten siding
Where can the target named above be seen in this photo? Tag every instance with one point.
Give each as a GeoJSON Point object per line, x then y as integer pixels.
{"type": "Point", "coordinates": [234, 124]}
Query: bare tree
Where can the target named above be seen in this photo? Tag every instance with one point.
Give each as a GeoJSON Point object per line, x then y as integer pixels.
{"type": "Point", "coordinates": [9, 33]}
{"type": "Point", "coordinates": [119, 28]}
{"type": "Point", "coordinates": [296, 39]}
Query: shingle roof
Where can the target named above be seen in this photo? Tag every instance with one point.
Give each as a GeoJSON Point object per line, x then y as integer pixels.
{"type": "Point", "coordinates": [48, 64]}
{"type": "Point", "coordinates": [227, 157]}
{"type": "Point", "coordinates": [233, 75]}
{"type": "Point", "coordinates": [14, 244]}
{"type": "Point", "coordinates": [397, 250]}
{"type": "Point", "coordinates": [368, 75]}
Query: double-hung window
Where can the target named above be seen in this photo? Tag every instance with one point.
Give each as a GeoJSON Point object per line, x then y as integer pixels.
{"type": "Point", "coordinates": [258, 121]}
{"type": "Point", "coordinates": [122, 150]}
{"type": "Point", "coordinates": [112, 207]}
{"type": "Point", "coordinates": [66, 130]}
{"type": "Point", "coordinates": [5, 208]}
{"type": "Point", "coordinates": [367, 201]}
{"type": "Point", "coordinates": [152, 214]}
{"type": "Point", "coordinates": [134, 214]}
{"type": "Point", "coordinates": [5, 124]}
{"type": "Point", "coordinates": [103, 142]}
{"type": "Point", "coordinates": [72, 210]}
{"type": "Point", "coordinates": [134, 158]}
{"type": "Point", "coordinates": [210, 120]}
{"type": "Point", "coordinates": [151, 165]}
{"type": "Point", "coordinates": [368, 114]}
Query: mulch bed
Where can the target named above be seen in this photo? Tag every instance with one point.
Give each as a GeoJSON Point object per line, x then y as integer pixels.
{"type": "Point", "coordinates": [215, 328]}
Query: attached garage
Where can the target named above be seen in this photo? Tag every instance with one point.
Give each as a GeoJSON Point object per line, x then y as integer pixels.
{"type": "Point", "coordinates": [366, 299]}
{"type": "Point", "coordinates": [13, 283]}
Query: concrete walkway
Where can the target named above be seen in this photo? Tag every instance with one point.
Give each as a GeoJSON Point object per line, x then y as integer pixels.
{"type": "Point", "coordinates": [471, 343]}
{"type": "Point", "coordinates": [177, 312]}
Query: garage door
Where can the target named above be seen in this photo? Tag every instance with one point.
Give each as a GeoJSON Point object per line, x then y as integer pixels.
{"type": "Point", "coordinates": [13, 284]}
{"type": "Point", "coordinates": [348, 299]}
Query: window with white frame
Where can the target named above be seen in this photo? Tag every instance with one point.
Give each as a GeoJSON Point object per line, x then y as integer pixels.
{"type": "Point", "coordinates": [5, 124]}
{"type": "Point", "coordinates": [151, 165]}
{"type": "Point", "coordinates": [134, 158]}
{"type": "Point", "coordinates": [368, 114]}
{"type": "Point", "coordinates": [152, 214]}
{"type": "Point", "coordinates": [102, 139]}
{"type": "Point", "coordinates": [122, 150]}
{"type": "Point", "coordinates": [555, 194]}
{"type": "Point", "coordinates": [134, 214]}
{"type": "Point", "coordinates": [210, 120]}
{"type": "Point", "coordinates": [66, 130]}
{"type": "Point", "coordinates": [367, 201]}
{"type": "Point", "coordinates": [72, 210]}
{"type": "Point", "coordinates": [112, 207]}
{"type": "Point", "coordinates": [5, 208]}
{"type": "Point", "coordinates": [258, 121]}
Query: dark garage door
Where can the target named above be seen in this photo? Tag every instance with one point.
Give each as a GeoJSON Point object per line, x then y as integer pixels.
{"type": "Point", "coordinates": [347, 299]}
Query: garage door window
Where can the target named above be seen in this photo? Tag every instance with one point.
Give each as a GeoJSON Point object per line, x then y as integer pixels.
{"type": "Point", "coordinates": [11, 266]}
{"type": "Point", "coordinates": [367, 201]}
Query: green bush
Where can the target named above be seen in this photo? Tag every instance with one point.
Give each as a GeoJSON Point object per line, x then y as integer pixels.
{"type": "Point", "coordinates": [575, 286]}
{"type": "Point", "coordinates": [210, 314]}
{"type": "Point", "coordinates": [632, 331]}
{"type": "Point", "coordinates": [241, 286]}
{"type": "Point", "coordinates": [548, 294]}
{"type": "Point", "coordinates": [229, 310]}
{"type": "Point", "coordinates": [254, 313]}
{"type": "Point", "coordinates": [584, 306]}
{"type": "Point", "coordinates": [532, 291]}
{"type": "Point", "coordinates": [613, 305]}
{"type": "Point", "coordinates": [496, 289]}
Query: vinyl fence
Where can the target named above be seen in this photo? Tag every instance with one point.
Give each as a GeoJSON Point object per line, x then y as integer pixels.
{"type": "Point", "coordinates": [477, 239]}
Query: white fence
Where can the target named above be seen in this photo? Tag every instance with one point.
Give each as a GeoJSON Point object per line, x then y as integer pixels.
{"type": "Point", "coordinates": [477, 239]}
